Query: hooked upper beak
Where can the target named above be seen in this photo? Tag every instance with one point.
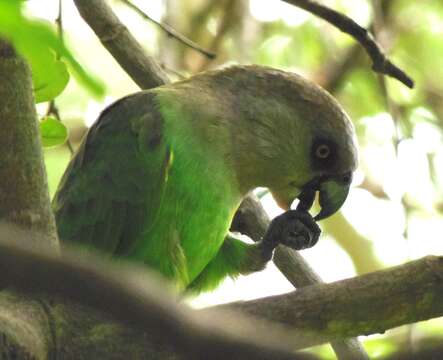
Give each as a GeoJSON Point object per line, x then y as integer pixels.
{"type": "Point", "coordinates": [333, 191]}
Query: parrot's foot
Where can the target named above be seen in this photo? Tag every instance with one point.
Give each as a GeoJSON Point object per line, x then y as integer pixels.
{"type": "Point", "coordinates": [294, 228]}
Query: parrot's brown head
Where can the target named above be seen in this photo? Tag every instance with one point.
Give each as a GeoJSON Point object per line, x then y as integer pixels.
{"type": "Point", "coordinates": [290, 136]}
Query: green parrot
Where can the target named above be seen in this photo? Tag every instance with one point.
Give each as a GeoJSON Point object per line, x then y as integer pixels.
{"type": "Point", "coordinates": [159, 176]}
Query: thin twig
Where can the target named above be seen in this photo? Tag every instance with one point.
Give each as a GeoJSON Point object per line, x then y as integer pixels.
{"type": "Point", "coordinates": [380, 63]}
{"type": "Point", "coordinates": [117, 39]}
{"type": "Point", "coordinates": [52, 108]}
{"type": "Point", "coordinates": [168, 69]}
{"type": "Point", "coordinates": [171, 31]}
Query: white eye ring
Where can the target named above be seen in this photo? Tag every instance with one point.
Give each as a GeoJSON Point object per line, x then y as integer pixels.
{"type": "Point", "coordinates": [323, 151]}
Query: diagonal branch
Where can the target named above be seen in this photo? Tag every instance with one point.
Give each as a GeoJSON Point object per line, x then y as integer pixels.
{"type": "Point", "coordinates": [380, 63]}
{"type": "Point", "coordinates": [171, 31]}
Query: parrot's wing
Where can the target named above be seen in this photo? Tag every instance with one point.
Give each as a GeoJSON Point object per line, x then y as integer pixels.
{"type": "Point", "coordinates": [112, 189]}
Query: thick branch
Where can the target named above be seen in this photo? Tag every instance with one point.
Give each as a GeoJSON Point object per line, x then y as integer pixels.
{"type": "Point", "coordinates": [24, 203]}
{"type": "Point", "coordinates": [363, 305]}
{"type": "Point", "coordinates": [142, 304]}
{"type": "Point", "coordinates": [24, 330]}
{"type": "Point", "coordinates": [117, 39]}
{"type": "Point", "coordinates": [24, 196]}
{"type": "Point", "coordinates": [380, 63]}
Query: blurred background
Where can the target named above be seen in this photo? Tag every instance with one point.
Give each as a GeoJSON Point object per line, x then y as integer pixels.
{"type": "Point", "coordinates": [395, 210]}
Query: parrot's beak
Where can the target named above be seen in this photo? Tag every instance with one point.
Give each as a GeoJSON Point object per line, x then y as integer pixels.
{"type": "Point", "coordinates": [333, 191]}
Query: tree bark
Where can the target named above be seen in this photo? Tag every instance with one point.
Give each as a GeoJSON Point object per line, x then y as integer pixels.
{"type": "Point", "coordinates": [24, 196]}
{"type": "Point", "coordinates": [363, 305]}
{"type": "Point", "coordinates": [24, 203]}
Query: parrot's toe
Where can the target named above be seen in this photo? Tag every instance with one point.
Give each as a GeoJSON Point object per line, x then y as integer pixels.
{"type": "Point", "coordinates": [294, 228]}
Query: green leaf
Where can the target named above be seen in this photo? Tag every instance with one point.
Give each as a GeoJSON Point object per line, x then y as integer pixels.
{"type": "Point", "coordinates": [50, 79]}
{"type": "Point", "coordinates": [52, 132]}
{"type": "Point", "coordinates": [36, 41]}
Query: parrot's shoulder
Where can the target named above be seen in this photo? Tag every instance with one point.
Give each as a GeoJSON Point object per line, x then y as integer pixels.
{"type": "Point", "coordinates": [135, 115]}
{"type": "Point", "coordinates": [112, 188]}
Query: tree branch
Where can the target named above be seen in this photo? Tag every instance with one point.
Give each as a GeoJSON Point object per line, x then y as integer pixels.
{"type": "Point", "coordinates": [24, 196]}
{"type": "Point", "coordinates": [170, 31]}
{"type": "Point", "coordinates": [380, 301]}
{"type": "Point", "coordinates": [24, 201]}
{"type": "Point", "coordinates": [363, 305]}
{"type": "Point", "coordinates": [137, 298]}
{"type": "Point", "coordinates": [380, 63]}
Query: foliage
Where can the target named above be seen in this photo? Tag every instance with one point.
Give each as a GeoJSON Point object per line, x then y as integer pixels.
{"type": "Point", "coordinates": [53, 132]}
{"type": "Point", "coordinates": [39, 44]}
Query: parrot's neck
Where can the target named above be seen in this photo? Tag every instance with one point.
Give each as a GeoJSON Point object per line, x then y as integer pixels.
{"type": "Point", "coordinates": [214, 119]}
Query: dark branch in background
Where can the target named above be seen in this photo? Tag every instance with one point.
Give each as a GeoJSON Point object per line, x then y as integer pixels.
{"type": "Point", "coordinates": [99, 15]}
{"type": "Point", "coordinates": [334, 73]}
{"type": "Point", "coordinates": [395, 112]}
{"type": "Point", "coordinates": [380, 63]}
{"type": "Point", "coordinates": [176, 73]}
{"type": "Point", "coordinates": [171, 31]}
{"type": "Point", "coordinates": [52, 108]}
{"type": "Point", "coordinates": [227, 20]}
{"type": "Point", "coordinates": [391, 108]}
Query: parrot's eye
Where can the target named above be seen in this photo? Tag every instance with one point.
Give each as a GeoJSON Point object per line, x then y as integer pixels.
{"type": "Point", "coordinates": [322, 151]}
{"type": "Point", "coordinates": [323, 154]}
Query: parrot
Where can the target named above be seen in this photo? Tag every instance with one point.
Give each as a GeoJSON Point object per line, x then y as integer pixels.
{"type": "Point", "coordinates": [159, 176]}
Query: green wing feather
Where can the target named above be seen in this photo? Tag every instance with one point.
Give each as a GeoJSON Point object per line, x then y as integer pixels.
{"type": "Point", "coordinates": [112, 189]}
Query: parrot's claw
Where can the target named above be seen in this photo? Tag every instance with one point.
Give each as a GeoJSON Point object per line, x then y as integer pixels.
{"type": "Point", "coordinates": [294, 228]}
